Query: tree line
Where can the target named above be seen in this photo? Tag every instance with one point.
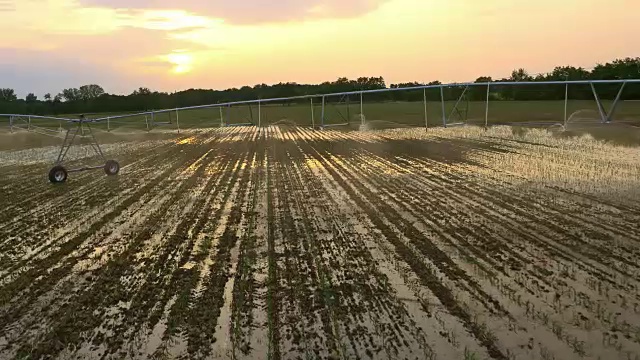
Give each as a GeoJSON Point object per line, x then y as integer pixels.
{"type": "Point", "coordinates": [93, 99]}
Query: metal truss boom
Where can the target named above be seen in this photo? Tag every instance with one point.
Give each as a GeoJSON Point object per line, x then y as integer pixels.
{"type": "Point", "coordinates": [605, 116]}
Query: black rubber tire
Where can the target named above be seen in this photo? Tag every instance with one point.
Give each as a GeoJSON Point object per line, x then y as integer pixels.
{"type": "Point", "coordinates": [111, 167]}
{"type": "Point", "coordinates": [58, 174]}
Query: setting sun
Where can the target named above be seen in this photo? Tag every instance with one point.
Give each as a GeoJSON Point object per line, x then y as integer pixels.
{"type": "Point", "coordinates": [182, 62]}
{"type": "Point", "coordinates": [171, 46]}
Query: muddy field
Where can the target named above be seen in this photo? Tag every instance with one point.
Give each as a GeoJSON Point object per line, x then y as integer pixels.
{"type": "Point", "coordinates": [288, 243]}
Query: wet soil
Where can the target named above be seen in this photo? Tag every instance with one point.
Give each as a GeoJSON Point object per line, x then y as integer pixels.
{"type": "Point", "coordinates": [284, 242]}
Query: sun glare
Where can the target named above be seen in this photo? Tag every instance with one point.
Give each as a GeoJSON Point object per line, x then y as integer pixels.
{"type": "Point", "coordinates": [182, 62]}
{"type": "Point", "coordinates": [172, 20]}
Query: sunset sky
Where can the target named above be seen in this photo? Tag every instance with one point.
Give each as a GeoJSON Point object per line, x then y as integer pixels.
{"type": "Point", "coordinates": [48, 45]}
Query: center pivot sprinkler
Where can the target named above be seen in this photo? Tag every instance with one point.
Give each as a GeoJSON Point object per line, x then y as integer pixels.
{"type": "Point", "coordinates": [58, 174]}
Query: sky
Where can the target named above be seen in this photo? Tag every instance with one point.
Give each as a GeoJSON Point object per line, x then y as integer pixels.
{"type": "Point", "coordinates": [168, 45]}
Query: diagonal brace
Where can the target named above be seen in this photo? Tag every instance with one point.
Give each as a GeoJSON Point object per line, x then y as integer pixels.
{"type": "Point", "coordinates": [605, 116]}
{"type": "Point", "coordinates": [455, 107]}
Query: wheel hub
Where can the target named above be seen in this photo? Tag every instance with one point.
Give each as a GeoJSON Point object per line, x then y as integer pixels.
{"type": "Point", "coordinates": [59, 175]}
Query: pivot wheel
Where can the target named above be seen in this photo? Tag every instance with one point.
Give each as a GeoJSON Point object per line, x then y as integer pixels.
{"type": "Point", "coordinates": [58, 174]}
{"type": "Point", "coordinates": [111, 168]}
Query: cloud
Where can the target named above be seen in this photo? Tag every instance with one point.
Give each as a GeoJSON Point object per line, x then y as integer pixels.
{"type": "Point", "coordinates": [56, 44]}
{"type": "Point", "coordinates": [122, 45]}
{"type": "Point", "coordinates": [7, 5]}
{"type": "Point", "coordinates": [25, 71]}
{"type": "Point", "coordinates": [168, 20]}
{"type": "Point", "coordinates": [251, 11]}
{"type": "Point", "coordinates": [107, 59]}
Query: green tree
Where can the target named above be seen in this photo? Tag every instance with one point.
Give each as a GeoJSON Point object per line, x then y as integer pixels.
{"type": "Point", "coordinates": [71, 94]}
{"type": "Point", "coordinates": [93, 98]}
{"type": "Point", "coordinates": [568, 73]}
{"type": "Point", "coordinates": [479, 93]}
{"type": "Point", "coordinates": [141, 91]}
{"type": "Point", "coordinates": [89, 92]}
{"type": "Point", "coordinates": [516, 92]}
{"type": "Point", "coordinates": [627, 68]}
{"type": "Point", "coordinates": [520, 75]}
{"type": "Point", "coordinates": [55, 104]}
{"type": "Point", "coordinates": [563, 73]}
{"type": "Point", "coordinates": [31, 98]}
{"type": "Point", "coordinates": [8, 95]}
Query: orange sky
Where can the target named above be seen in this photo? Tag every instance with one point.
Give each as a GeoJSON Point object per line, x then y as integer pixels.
{"type": "Point", "coordinates": [48, 45]}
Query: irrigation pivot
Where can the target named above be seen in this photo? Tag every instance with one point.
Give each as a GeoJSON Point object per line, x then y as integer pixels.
{"type": "Point", "coordinates": [59, 173]}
